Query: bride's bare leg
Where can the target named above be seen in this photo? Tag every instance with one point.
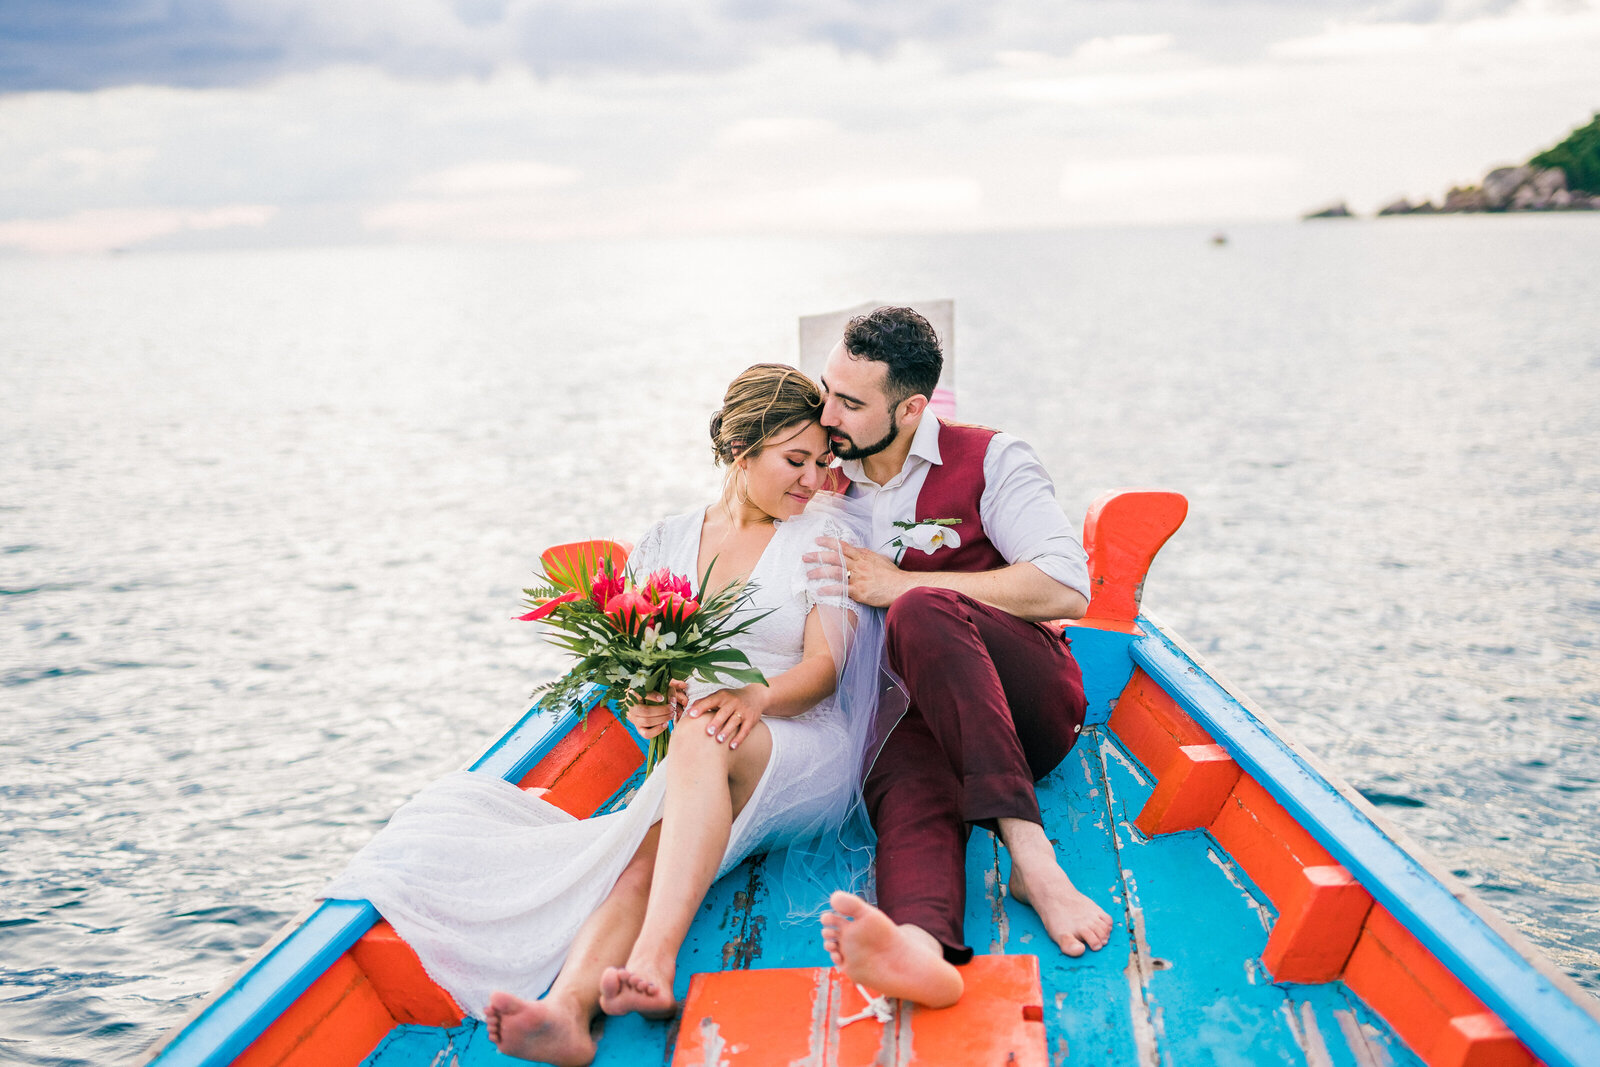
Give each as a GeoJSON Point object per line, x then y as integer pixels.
{"type": "Point", "coordinates": [707, 786]}
{"type": "Point", "coordinates": [558, 1028]}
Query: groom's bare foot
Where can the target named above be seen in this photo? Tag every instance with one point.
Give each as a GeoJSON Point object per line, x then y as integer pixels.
{"type": "Point", "coordinates": [903, 962]}
{"type": "Point", "coordinates": [623, 991]}
{"type": "Point", "coordinates": [552, 1030]}
{"type": "Point", "coordinates": [1073, 921]}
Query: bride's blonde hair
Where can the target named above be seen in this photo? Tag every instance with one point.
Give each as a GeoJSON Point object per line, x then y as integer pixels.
{"type": "Point", "coordinates": [762, 401]}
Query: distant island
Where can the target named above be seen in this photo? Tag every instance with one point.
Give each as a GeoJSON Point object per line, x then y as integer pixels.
{"type": "Point", "coordinates": [1563, 178]}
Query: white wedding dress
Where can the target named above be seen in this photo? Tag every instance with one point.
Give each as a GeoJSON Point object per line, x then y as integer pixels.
{"type": "Point", "coordinates": [490, 884]}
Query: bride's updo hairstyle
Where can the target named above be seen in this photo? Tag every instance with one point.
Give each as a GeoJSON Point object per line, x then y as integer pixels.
{"type": "Point", "coordinates": [760, 402]}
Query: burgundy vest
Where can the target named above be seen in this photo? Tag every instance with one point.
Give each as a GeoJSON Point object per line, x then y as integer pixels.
{"type": "Point", "coordinates": [952, 491]}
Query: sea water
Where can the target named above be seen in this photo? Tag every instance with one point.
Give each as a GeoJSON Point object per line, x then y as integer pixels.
{"type": "Point", "coordinates": [265, 516]}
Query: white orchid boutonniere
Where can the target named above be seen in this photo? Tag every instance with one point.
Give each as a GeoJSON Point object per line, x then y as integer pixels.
{"type": "Point", "coordinates": [929, 536]}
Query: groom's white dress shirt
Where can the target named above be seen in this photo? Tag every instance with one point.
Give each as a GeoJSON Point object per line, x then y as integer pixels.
{"type": "Point", "coordinates": [1018, 506]}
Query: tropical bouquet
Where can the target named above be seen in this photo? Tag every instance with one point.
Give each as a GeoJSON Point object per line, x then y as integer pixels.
{"type": "Point", "coordinates": [636, 637]}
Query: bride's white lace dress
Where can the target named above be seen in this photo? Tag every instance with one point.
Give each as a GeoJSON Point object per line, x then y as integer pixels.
{"type": "Point", "coordinates": [490, 884]}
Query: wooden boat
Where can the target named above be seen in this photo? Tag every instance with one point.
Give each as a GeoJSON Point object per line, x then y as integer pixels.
{"type": "Point", "coordinates": [1265, 913]}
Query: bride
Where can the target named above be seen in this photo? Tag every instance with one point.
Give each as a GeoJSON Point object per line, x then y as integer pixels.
{"type": "Point", "coordinates": [500, 892]}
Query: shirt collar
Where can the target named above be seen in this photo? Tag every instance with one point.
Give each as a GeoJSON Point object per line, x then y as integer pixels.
{"type": "Point", "coordinates": [924, 446]}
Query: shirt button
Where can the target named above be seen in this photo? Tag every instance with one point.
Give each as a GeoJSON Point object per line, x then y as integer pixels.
{"type": "Point", "coordinates": [1077, 729]}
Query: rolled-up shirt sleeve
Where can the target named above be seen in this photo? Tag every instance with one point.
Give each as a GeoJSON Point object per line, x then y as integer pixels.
{"type": "Point", "coordinates": [1021, 517]}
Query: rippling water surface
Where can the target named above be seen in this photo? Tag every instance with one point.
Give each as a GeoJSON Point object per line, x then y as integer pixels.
{"type": "Point", "coordinates": [264, 517]}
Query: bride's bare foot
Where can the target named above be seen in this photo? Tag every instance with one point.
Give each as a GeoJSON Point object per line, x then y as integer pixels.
{"type": "Point", "coordinates": [553, 1030]}
{"type": "Point", "coordinates": [623, 991]}
{"type": "Point", "coordinates": [1073, 921]}
{"type": "Point", "coordinates": [904, 962]}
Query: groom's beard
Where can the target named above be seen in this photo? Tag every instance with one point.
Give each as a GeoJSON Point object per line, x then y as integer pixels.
{"type": "Point", "coordinates": [855, 451]}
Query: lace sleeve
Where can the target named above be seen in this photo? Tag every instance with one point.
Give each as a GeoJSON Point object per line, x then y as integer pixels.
{"type": "Point", "coordinates": [650, 553]}
{"type": "Point", "coordinates": [827, 528]}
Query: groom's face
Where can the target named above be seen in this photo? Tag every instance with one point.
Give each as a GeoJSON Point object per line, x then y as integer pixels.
{"type": "Point", "coordinates": [855, 410]}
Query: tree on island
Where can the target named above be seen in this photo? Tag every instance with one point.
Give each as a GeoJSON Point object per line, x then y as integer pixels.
{"type": "Point", "coordinates": [1578, 156]}
{"type": "Point", "coordinates": [1563, 178]}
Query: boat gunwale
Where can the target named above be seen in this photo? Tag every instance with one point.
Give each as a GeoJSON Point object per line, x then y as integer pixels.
{"type": "Point", "coordinates": [1554, 1016]}
{"type": "Point", "coordinates": [239, 1012]}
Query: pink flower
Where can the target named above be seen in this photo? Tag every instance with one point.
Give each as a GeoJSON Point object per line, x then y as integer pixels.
{"type": "Point", "coordinates": [548, 606]}
{"type": "Point", "coordinates": [677, 608]}
{"type": "Point", "coordinates": [663, 582]}
{"type": "Point", "coordinates": [606, 586]}
{"type": "Point", "coordinates": [628, 609]}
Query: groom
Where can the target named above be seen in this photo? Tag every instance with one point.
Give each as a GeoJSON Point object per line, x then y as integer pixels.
{"type": "Point", "coordinates": [996, 699]}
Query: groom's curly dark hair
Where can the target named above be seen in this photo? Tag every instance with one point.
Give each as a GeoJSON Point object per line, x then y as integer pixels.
{"type": "Point", "coordinates": [902, 339]}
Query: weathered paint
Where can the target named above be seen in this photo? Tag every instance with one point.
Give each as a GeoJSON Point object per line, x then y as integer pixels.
{"type": "Point", "coordinates": [1122, 532]}
{"type": "Point", "coordinates": [792, 1016]}
{"type": "Point", "coordinates": [1553, 1024]}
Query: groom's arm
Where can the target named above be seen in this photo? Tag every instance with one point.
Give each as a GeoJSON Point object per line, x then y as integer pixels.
{"type": "Point", "coordinates": [1048, 576]}
{"type": "Point", "coordinates": [1019, 589]}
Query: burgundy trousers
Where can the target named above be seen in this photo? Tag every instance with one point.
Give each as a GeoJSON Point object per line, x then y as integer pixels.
{"type": "Point", "coordinates": [996, 704]}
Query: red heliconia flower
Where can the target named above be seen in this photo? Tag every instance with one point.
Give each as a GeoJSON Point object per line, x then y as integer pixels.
{"type": "Point", "coordinates": [664, 581]}
{"type": "Point", "coordinates": [548, 606]}
{"type": "Point", "coordinates": [676, 607]}
{"type": "Point", "coordinates": [628, 609]}
{"type": "Point", "coordinates": [605, 586]}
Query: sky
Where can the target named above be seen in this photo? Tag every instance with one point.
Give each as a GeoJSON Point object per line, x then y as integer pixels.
{"type": "Point", "coordinates": [206, 123]}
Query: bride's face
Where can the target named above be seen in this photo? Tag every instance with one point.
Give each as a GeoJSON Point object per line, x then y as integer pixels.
{"type": "Point", "coordinates": [787, 473]}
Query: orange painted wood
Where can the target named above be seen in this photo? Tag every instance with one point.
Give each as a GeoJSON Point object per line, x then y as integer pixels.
{"type": "Point", "coordinates": [791, 1015]}
{"type": "Point", "coordinates": [1122, 533]}
{"type": "Point", "coordinates": [1400, 980]}
{"type": "Point", "coordinates": [398, 978]}
{"type": "Point", "coordinates": [1266, 841]}
{"type": "Point", "coordinates": [584, 556]}
{"type": "Point", "coordinates": [1151, 725]}
{"type": "Point", "coordinates": [999, 1019]}
{"type": "Point", "coordinates": [751, 1017]}
{"type": "Point", "coordinates": [1190, 791]}
{"type": "Point", "coordinates": [1479, 1041]}
{"type": "Point", "coordinates": [1318, 926]}
{"type": "Point", "coordinates": [337, 1022]}
{"type": "Point", "coordinates": [588, 766]}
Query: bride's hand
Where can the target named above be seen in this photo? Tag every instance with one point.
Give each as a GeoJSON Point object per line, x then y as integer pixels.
{"type": "Point", "coordinates": [733, 712]}
{"type": "Point", "coordinates": [655, 713]}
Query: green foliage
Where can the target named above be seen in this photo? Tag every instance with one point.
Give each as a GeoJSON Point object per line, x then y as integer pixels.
{"type": "Point", "coordinates": [1578, 155]}
{"type": "Point", "coordinates": [631, 655]}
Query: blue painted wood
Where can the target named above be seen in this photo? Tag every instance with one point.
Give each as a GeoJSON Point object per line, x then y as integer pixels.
{"type": "Point", "coordinates": [519, 749]}
{"type": "Point", "coordinates": [1331, 1019]}
{"type": "Point", "coordinates": [1087, 1011]}
{"type": "Point", "coordinates": [1199, 926]}
{"type": "Point", "coordinates": [1103, 656]}
{"type": "Point", "coordinates": [1557, 1030]}
{"type": "Point", "coordinates": [244, 1011]}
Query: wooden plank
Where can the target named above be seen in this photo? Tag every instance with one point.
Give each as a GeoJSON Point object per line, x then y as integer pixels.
{"type": "Point", "coordinates": [1198, 928]}
{"type": "Point", "coordinates": [1089, 1018]}
{"type": "Point", "coordinates": [1555, 1026]}
{"type": "Point", "coordinates": [791, 1015]}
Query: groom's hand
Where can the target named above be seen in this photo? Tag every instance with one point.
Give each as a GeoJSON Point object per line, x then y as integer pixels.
{"type": "Point", "coordinates": [870, 578]}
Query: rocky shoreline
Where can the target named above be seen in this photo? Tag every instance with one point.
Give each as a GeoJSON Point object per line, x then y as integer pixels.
{"type": "Point", "coordinates": [1504, 189]}
{"type": "Point", "coordinates": [1564, 177]}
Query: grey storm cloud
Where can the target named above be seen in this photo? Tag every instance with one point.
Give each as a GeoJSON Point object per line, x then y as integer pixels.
{"type": "Point", "coordinates": [93, 44]}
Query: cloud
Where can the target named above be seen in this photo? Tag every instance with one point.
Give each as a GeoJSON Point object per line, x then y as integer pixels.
{"type": "Point", "coordinates": [494, 177]}
{"type": "Point", "coordinates": [105, 230]}
{"type": "Point", "coordinates": [1114, 121]}
{"type": "Point", "coordinates": [96, 44]}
